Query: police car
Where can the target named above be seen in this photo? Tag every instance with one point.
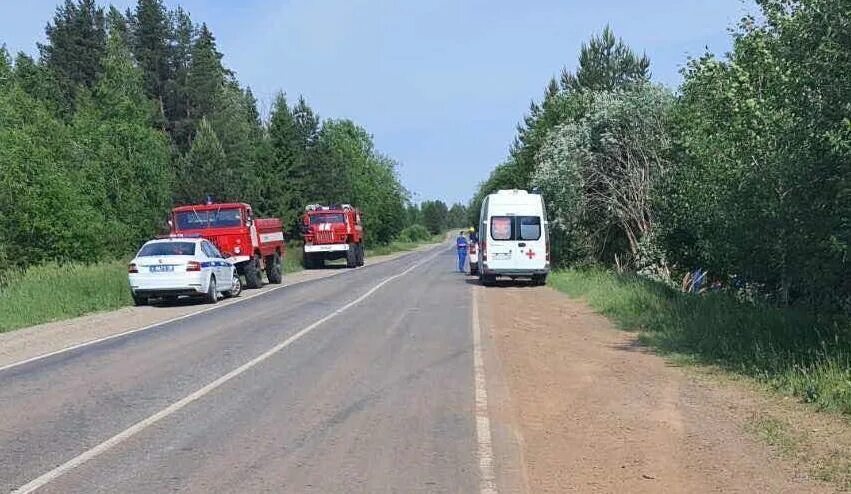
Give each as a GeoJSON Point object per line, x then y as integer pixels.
{"type": "Point", "coordinates": [172, 267]}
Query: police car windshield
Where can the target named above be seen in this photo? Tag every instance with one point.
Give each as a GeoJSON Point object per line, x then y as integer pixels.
{"type": "Point", "coordinates": [316, 219]}
{"type": "Point", "coordinates": [196, 220]}
{"type": "Point", "coordinates": [168, 249]}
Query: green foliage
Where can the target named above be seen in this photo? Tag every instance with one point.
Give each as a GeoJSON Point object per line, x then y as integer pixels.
{"type": "Point", "coordinates": [435, 216]}
{"type": "Point", "coordinates": [457, 216]}
{"type": "Point", "coordinates": [414, 233]}
{"type": "Point", "coordinates": [75, 48]}
{"type": "Point", "coordinates": [796, 352]}
{"type": "Point", "coordinates": [598, 174]}
{"type": "Point", "coordinates": [764, 183]}
{"type": "Point", "coordinates": [204, 169]}
{"type": "Point", "coordinates": [607, 63]}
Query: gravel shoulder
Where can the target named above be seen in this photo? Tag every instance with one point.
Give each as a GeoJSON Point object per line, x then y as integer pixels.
{"type": "Point", "coordinates": [26, 343]}
{"type": "Point", "coordinates": [593, 411]}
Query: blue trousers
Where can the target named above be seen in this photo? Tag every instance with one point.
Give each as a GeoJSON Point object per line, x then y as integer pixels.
{"type": "Point", "coordinates": [462, 256]}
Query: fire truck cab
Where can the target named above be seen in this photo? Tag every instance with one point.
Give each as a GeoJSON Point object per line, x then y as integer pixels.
{"type": "Point", "coordinates": [330, 233]}
{"type": "Point", "coordinates": [252, 244]}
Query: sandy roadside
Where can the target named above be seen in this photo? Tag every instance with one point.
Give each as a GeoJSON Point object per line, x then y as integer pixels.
{"type": "Point", "coordinates": [26, 343]}
{"type": "Point", "coordinates": [595, 412]}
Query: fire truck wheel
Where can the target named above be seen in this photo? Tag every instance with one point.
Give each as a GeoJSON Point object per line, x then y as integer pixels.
{"type": "Point", "coordinates": [352, 256]}
{"type": "Point", "coordinates": [139, 300]}
{"type": "Point", "coordinates": [212, 293]}
{"type": "Point", "coordinates": [273, 268]}
{"type": "Point", "coordinates": [252, 273]}
{"type": "Point", "coordinates": [361, 255]}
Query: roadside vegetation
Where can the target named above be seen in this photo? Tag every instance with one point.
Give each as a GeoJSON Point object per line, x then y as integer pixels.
{"type": "Point", "coordinates": [40, 294]}
{"type": "Point", "coordinates": [715, 218]}
{"type": "Point", "coordinates": [795, 352]}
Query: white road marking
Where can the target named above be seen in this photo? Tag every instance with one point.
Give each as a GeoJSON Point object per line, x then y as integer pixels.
{"type": "Point", "coordinates": [178, 405]}
{"type": "Point", "coordinates": [487, 478]}
{"type": "Point", "coordinates": [175, 319]}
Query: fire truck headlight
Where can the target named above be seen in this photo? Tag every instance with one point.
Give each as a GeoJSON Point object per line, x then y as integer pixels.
{"type": "Point", "coordinates": [237, 250]}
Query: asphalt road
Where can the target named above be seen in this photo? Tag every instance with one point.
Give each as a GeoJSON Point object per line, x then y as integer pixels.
{"type": "Point", "coordinates": [361, 382]}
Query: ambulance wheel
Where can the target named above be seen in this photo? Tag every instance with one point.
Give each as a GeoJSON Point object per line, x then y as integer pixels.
{"type": "Point", "coordinates": [139, 300]}
{"type": "Point", "coordinates": [487, 280]}
{"type": "Point", "coordinates": [539, 279]}
{"type": "Point", "coordinates": [352, 256]}
{"type": "Point", "coordinates": [252, 273]}
{"type": "Point", "coordinates": [273, 268]}
{"type": "Point", "coordinates": [212, 295]}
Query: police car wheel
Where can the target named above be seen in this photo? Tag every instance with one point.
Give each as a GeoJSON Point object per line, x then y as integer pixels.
{"type": "Point", "coordinates": [236, 287]}
{"type": "Point", "coordinates": [139, 300]}
{"type": "Point", "coordinates": [212, 294]}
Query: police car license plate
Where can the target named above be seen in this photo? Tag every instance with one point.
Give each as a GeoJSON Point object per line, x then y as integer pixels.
{"type": "Point", "coordinates": [162, 269]}
{"type": "Point", "coordinates": [501, 256]}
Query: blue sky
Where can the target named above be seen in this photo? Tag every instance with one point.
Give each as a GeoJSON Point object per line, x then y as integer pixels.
{"type": "Point", "coordinates": [441, 84]}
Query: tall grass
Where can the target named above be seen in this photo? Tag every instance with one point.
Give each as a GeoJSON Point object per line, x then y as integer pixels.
{"type": "Point", "coordinates": [51, 292]}
{"type": "Point", "coordinates": [797, 353]}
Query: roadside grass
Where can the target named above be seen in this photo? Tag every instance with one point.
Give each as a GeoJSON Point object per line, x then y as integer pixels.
{"type": "Point", "coordinates": [293, 258]}
{"type": "Point", "coordinates": [796, 353]}
{"type": "Point", "coordinates": [51, 292]}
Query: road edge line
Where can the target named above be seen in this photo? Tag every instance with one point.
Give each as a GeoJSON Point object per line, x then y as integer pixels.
{"type": "Point", "coordinates": [239, 300]}
{"type": "Point", "coordinates": [138, 427]}
{"type": "Point", "coordinates": [487, 477]}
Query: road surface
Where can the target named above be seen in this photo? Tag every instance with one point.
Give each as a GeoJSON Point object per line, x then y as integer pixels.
{"type": "Point", "coordinates": [363, 382]}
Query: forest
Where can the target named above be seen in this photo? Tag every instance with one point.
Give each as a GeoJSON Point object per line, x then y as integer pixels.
{"type": "Point", "coordinates": [124, 114]}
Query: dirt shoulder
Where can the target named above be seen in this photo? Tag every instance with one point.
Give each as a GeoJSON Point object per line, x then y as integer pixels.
{"type": "Point", "coordinates": [593, 411]}
{"type": "Point", "coordinates": [26, 343]}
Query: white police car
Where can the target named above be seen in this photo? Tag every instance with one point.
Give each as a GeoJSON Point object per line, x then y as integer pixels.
{"type": "Point", "coordinates": [173, 267]}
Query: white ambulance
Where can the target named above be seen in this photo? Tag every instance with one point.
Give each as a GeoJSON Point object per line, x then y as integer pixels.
{"type": "Point", "coordinates": [513, 238]}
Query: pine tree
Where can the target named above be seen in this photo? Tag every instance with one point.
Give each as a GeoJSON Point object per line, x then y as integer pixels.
{"type": "Point", "coordinates": [204, 169]}
{"type": "Point", "coordinates": [605, 63]}
{"type": "Point", "coordinates": [177, 104]}
{"type": "Point", "coordinates": [76, 45]}
{"type": "Point", "coordinates": [283, 188]}
{"type": "Point", "coordinates": [151, 33]}
{"type": "Point", "coordinates": [206, 78]}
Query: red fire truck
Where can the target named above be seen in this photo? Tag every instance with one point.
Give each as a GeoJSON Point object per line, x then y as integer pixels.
{"type": "Point", "coordinates": [252, 244]}
{"type": "Point", "coordinates": [332, 232]}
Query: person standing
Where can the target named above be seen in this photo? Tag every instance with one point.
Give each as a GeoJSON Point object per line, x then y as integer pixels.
{"type": "Point", "coordinates": [461, 246]}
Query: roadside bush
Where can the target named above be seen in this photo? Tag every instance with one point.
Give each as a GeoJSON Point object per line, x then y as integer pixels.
{"type": "Point", "coordinates": [414, 233]}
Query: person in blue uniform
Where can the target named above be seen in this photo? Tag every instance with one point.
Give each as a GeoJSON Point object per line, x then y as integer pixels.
{"type": "Point", "coordinates": [461, 245]}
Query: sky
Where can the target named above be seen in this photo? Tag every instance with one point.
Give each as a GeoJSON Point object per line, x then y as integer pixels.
{"type": "Point", "coordinates": [440, 84]}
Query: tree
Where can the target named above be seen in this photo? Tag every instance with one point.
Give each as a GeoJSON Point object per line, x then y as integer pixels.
{"type": "Point", "coordinates": [177, 90]}
{"type": "Point", "coordinates": [457, 216]}
{"type": "Point", "coordinates": [124, 162]}
{"type": "Point", "coordinates": [205, 80]}
{"type": "Point", "coordinates": [204, 169]}
{"type": "Point", "coordinates": [75, 48]}
{"type": "Point", "coordinates": [435, 215]}
{"type": "Point", "coordinates": [149, 42]}
{"type": "Point", "coordinates": [765, 152]}
{"type": "Point", "coordinates": [599, 175]}
{"type": "Point", "coordinates": [606, 63]}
